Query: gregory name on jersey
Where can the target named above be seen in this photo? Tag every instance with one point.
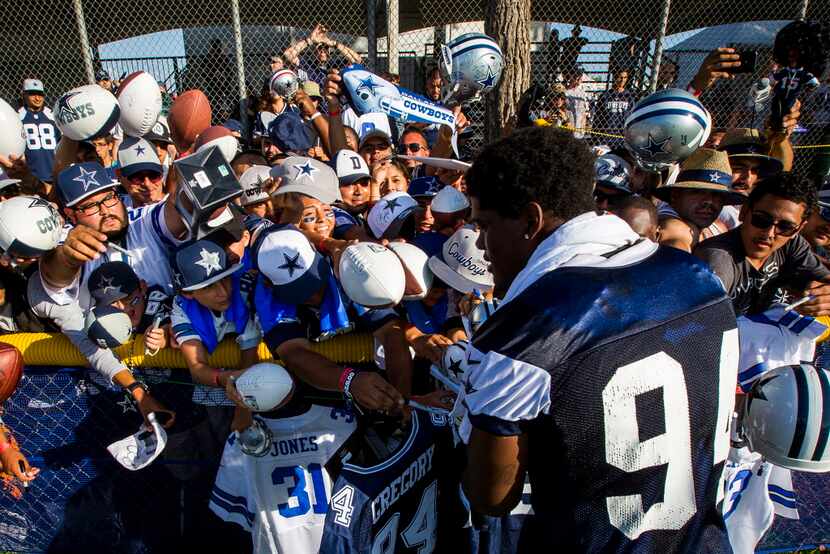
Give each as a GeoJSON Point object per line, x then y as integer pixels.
{"type": "Point", "coordinates": [405, 481]}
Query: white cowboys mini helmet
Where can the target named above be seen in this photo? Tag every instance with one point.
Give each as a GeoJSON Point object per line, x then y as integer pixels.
{"type": "Point", "coordinates": [785, 419]}
{"type": "Point", "coordinates": [29, 227]}
{"type": "Point", "coordinates": [472, 63]}
{"type": "Point", "coordinates": [284, 83]}
{"type": "Point", "coordinates": [665, 128]}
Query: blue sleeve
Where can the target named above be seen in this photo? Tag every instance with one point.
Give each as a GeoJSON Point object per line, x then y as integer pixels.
{"type": "Point", "coordinates": [343, 221]}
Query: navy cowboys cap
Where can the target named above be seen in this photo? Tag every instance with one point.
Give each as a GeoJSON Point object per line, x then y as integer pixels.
{"type": "Point", "coordinates": [201, 263]}
{"type": "Point", "coordinates": [112, 281]}
{"type": "Point", "coordinates": [82, 180]}
{"type": "Point", "coordinates": [289, 134]}
{"type": "Point", "coordinates": [424, 187]}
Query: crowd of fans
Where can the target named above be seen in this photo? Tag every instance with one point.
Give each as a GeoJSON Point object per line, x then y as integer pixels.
{"type": "Point", "coordinates": [314, 182]}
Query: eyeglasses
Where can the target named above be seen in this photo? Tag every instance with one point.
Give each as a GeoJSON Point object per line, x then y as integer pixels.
{"type": "Point", "coordinates": [763, 221]}
{"type": "Point", "coordinates": [138, 178]}
{"type": "Point", "coordinates": [411, 147]}
{"type": "Point", "coordinates": [93, 208]}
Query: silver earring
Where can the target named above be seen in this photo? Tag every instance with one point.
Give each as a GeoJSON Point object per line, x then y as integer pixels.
{"type": "Point", "coordinates": [527, 237]}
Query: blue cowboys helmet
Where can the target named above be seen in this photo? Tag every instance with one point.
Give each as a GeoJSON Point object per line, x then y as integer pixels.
{"type": "Point", "coordinates": [665, 128]}
{"type": "Point", "coordinates": [284, 83]}
{"type": "Point", "coordinates": [785, 419]}
{"type": "Point", "coordinates": [472, 63]}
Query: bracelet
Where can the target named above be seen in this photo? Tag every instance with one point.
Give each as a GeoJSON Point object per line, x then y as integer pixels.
{"type": "Point", "coordinates": [334, 113]}
{"type": "Point", "coordinates": [314, 116]}
{"type": "Point", "coordinates": [216, 374]}
{"type": "Point", "coordinates": [344, 376]}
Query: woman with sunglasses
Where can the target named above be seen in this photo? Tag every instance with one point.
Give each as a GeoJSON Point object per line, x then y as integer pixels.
{"type": "Point", "coordinates": [765, 255]}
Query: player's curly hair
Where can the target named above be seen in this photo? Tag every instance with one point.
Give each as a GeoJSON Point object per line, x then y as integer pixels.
{"type": "Point", "coordinates": [788, 186]}
{"type": "Point", "coordinates": [539, 164]}
{"type": "Point", "coordinates": [811, 39]}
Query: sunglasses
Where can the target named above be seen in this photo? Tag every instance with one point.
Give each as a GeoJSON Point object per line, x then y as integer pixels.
{"type": "Point", "coordinates": [138, 178]}
{"type": "Point", "coordinates": [411, 147]}
{"type": "Point", "coordinates": [763, 221]}
{"type": "Point", "coordinates": [601, 196]}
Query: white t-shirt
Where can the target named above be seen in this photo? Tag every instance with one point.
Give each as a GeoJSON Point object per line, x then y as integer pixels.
{"type": "Point", "coordinates": [282, 497]}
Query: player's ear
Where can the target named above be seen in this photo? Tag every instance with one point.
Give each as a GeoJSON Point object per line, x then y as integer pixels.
{"type": "Point", "coordinates": [534, 219]}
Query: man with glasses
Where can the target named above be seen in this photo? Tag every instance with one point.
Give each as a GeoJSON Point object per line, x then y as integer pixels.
{"type": "Point", "coordinates": [765, 253]}
{"type": "Point", "coordinates": [375, 146]}
{"type": "Point", "coordinates": [141, 172]}
{"type": "Point", "coordinates": [414, 143]}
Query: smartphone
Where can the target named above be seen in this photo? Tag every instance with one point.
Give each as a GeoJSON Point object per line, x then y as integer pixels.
{"type": "Point", "coordinates": [749, 59]}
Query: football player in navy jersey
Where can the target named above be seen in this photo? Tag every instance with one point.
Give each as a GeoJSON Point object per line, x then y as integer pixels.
{"type": "Point", "coordinates": [600, 376]}
{"type": "Point", "coordinates": [42, 134]}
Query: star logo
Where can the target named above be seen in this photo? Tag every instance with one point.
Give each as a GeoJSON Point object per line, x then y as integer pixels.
{"type": "Point", "coordinates": [713, 177]}
{"type": "Point", "coordinates": [468, 387]}
{"type": "Point", "coordinates": [65, 111]}
{"type": "Point", "coordinates": [391, 205]}
{"type": "Point", "coordinates": [139, 150]}
{"type": "Point", "coordinates": [654, 148]}
{"type": "Point", "coordinates": [758, 390]}
{"type": "Point", "coordinates": [126, 405]}
{"type": "Point", "coordinates": [291, 264]}
{"type": "Point", "coordinates": [105, 285]}
{"type": "Point", "coordinates": [368, 84]}
{"type": "Point", "coordinates": [87, 178]}
{"type": "Point", "coordinates": [488, 81]}
{"type": "Point", "coordinates": [455, 367]}
{"type": "Point", "coordinates": [209, 261]}
{"type": "Point", "coordinates": [38, 201]}
{"type": "Point", "coordinates": [306, 170]}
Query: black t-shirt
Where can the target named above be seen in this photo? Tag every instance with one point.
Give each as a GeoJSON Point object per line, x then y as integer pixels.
{"type": "Point", "coordinates": [753, 290]}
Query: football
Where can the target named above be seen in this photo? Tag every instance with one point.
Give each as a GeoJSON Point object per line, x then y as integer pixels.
{"type": "Point", "coordinates": [12, 139]}
{"type": "Point", "coordinates": [108, 327]}
{"type": "Point", "coordinates": [19, 237]}
{"type": "Point", "coordinates": [265, 386]}
{"type": "Point", "coordinates": [218, 136]}
{"type": "Point", "coordinates": [86, 112]}
{"type": "Point", "coordinates": [372, 275]}
{"type": "Point", "coordinates": [11, 370]}
{"type": "Point", "coordinates": [454, 361]}
{"type": "Point", "coordinates": [416, 268]}
{"type": "Point", "coordinates": [139, 98]}
{"type": "Point", "coordinates": [189, 116]}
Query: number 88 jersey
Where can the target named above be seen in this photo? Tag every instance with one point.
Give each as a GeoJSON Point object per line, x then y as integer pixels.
{"type": "Point", "coordinates": [622, 378]}
{"type": "Point", "coordinates": [42, 137]}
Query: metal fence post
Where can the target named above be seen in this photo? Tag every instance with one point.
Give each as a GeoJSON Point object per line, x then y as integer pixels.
{"type": "Point", "coordinates": [240, 66]}
{"type": "Point", "coordinates": [371, 34]}
{"type": "Point", "coordinates": [392, 11]}
{"type": "Point", "coordinates": [86, 52]}
{"type": "Point", "coordinates": [802, 12]}
{"type": "Point", "coordinates": [658, 45]}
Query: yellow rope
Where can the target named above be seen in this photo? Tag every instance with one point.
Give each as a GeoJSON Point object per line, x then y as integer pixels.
{"type": "Point", "coordinates": [55, 349]}
{"type": "Point", "coordinates": [811, 146]}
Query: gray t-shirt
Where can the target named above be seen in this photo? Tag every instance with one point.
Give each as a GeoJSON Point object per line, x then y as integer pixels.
{"type": "Point", "coordinates": [753, 290]}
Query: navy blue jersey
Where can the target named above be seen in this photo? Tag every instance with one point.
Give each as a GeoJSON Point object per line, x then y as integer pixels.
{"type": "Point", "coordinates": [621, 376]}
{"type": "Point", "coordinates": [158, 306]}
{"type": "Point", "coordinates": [42, 138]}
{"type": "Point", "coordinates": [395, 506]}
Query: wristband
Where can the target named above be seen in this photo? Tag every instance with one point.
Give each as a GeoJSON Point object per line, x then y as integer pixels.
{"type": "Point", "coordinates": [314, 116]}
{"type": "Point", "coordinates": [346, 374]}
{"type": "Point", "coordinates": [334, 113]}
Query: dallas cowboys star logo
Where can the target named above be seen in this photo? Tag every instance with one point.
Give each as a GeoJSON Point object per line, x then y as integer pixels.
{"type": "Point", "coordinates": [139, 150]}
{"type": "Point", "coordinates": [105, 285]}
{"type": "Point", "coordinates": [391, 205]}
{"type": "Point", "coordinates": [468, 388]}
{"type": "Point", "coordinates": [758, 390]}
{"type": "Point", "coordinates": [64, 107]}
{"type": "Point", "coordinates": [369, 84]}
{"type": "Point", "coordinates": [455, 367]}
{"type": "Point", "coordinates": [126, 405]}
{"type": "Point", "coordinates": [87, 178]}
{"type": "Point", "coordinates": [488, 81]}
{"type": "Point", "coordinates": [306, 170]}
{"type": "Point", "coordinates": [291, 264]}
{"type": "Point", "coordinates": [713, 177]}
{"type": "Point", "coordinates": [209, 261]}
{"type": "Point", "coordinates": [38, 201]}
{"type": "Point", "coordinates": [653, 147]}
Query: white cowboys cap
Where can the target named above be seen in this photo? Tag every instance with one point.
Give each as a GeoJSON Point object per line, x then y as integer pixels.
{"type": "Point", "coordinates": [449, 200]}
{"type": "Point", "coordinates": [461, 264]}
{"type": "Point", "coordinates": [350, 167]}
{"type": "Point", "coordinates": [307, 176]}
{"type": "Point", "coordinates": [388, 215]}
{"type": "Point", "coordinates": [295, 269]}
{"type": "Point", "coordinates": [137, 154]}
{"type": "Point", "coordinates": [253, 181]}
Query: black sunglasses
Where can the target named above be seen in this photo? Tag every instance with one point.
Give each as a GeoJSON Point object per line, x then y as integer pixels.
{"type": "Point", "coordinates": [412, 147]}
{"type": "Point", "coordinates": [763, 221]}
{"type": "Point", "coordinates": [599, 196]}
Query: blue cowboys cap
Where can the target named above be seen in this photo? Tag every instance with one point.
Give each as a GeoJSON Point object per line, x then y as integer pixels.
{"type": "Point", "coordinates": [613, 172]}
{"type": "Point", "coordinates": [388, 216]}
{"type": "Point", "coordinates": [289, 134]}
{"type": "Point", "coordinates": [307, 176]}
{"type": "Point", "coordinates": [201, 263]}
{"type": "Point", "coordinates": [292, 266]}
{"type": "Point", "coordinates": [136, 155]}
{"type": "Point", "coordinates": [112, 281]}
{"type": "Point", "coordinates": [233, 125]}
{"type": "Point", "coordinates": [424, 187]}
{"type": "Point", "coordinates": [82, 180]}
{"type": "Point", "coordinates": [824, 203]}
{"type": "Point", "coordinates": [102, 75]}
{"type": "Point", "coordinates": [705, 169]}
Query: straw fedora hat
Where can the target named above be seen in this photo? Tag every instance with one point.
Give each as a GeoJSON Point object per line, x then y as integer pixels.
{"type": "Point", "coordinates": [748, 143]}
{"type": "Point", "coordinates": [705, 169]}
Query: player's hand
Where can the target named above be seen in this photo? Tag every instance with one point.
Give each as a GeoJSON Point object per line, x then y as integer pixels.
{"type": "Point", "coordinates": [84, 244]}
{"type": "Point", "coordinates": [334, 84]}
{"type": "Point", "coordinates": [820, 304]}
{"type": "Point", "coordinates": [242, 419]}
{"type": "Point", "coordinates": [373, 392]}
{"type": "Point", "coordinates": [716, 66]}
{"type": "Point", "coordinates": [155, 339]}
{"type": "Point", "coordinates": [164, 415]}
{"type": "Point", "coordinates": [318, 34]}
{"type": "Point", "coordinates": [15, 166]}
{"type": "Point", "coordinates": [11, 461]}
{"type": "Point", "coordinates": [304, 102]}
{"type": "Point", "coordinates": [431, 346]}
{"type": "Point", "coordinates": [789, 121]}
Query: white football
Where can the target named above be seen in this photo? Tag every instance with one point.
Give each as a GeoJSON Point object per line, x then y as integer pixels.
{"type": "Point", "coordinates": [108, 327]}
{"type": "Point", "coordinates": [264, 386]}
{"type": "Point", "coordinates": [29, 226]}
{"type": "Point", "coordinates": [86, 112]}
{"type": "Point", "coordinates": [220, 137]}
{"type": "Point", "coordinates": [415, 264]}
{"type": "Point", "coordinates": [372, 275]}
{"type": "Point", "coordinates": [12, 138]}
{"type": "Point", "coordinates": [139, 98]}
